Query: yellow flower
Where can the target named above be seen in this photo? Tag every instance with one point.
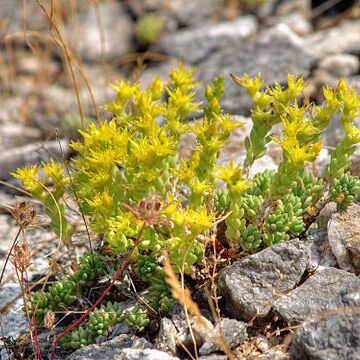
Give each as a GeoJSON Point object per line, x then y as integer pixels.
{"type": "Point", "coordinates": [233, 177]}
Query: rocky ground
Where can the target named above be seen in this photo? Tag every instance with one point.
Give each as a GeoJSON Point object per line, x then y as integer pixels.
{"type": "Point", "coordinates": [295, 300]}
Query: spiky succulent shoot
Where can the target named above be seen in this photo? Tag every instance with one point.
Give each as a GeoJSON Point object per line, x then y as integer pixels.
{"type": "Point", "coordinates": [165, 304]}
{"type": "Point", "coordinates": [251, 204]}
{"type": "Point", "coordinates": [261, 183]}
{"type": "Point", "coordinates": [286, 219]}
{"type": "Point", "coordinates": [77, 338]}
{"type": "Point", "coordinates": [235, 185]}
{"type": "Point", "coordinates": [345, 189]}
{"type": "Point", "coordinates": [250, 238]}
{"type": "Point", "coordinates": [64, 292]}
{"type": "Point", "coordinates": [221, 199]}
{"type": "Point", "coordinates": [137, 319]}
{"type": "Point", "coordinates": [100, 320]}
{"type": "Point", "coordinates": [146, 267]}
{"type": "Point", "coordinates": [159, 287]}
{"type": "Point", "coordinates": [42, 303]}
{"type": "Point", "coordinates": [308, 189]}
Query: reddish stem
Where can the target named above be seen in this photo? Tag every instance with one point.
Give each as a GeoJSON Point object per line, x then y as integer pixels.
{"type": "Point", "coordinates": [102, 296]}
{"type": "Point", "coordinates": [8, 255]}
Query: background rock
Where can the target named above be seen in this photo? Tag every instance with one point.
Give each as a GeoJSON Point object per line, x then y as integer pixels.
{"type": "Point", "coordinates": [312, 297]}
{"type": "Point", "coordinates": [274, 53]}
{"type": "Point", "coordinates": [249, 285]}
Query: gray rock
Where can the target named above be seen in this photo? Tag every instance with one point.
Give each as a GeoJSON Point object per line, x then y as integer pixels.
{"type": "Point", "coordinates": [12, 135]}
{"type": "Point", "coordinates": [107, 349]}
{"type": "Point", "coordinates": [194, 13]}
{"type": "Point", "coordinates": [320, 253]}
{"type": "Point", "coordinates": [333, 333]}
{"type": "Point", "coordinates": [234, 333]}
{"type": "Point", "coordinates": [30, 154]}
{"type": "Point", "coordinates": [325, 215]}
{"type": "Point", "coordinates": [167, 336]}
{"type": "Point", "coordinates": [213, 357]}
{"type": "Point", "coordinates": [195, 44]}
{"type": "Point", "coordinates": [334, 133]}
{"type": "Point", "coordinates": [313, 296]}
{"type": "Point", "coordinates": [335, 337]}
{"type": "Point", "coordinates": [275, 53]}
{"type": "Point", "coordinates": [118, 31]}
{"type": "Point", "coordinates": [273, 354]}
{"type": "Point", "coordinates": [120, 329]}
{"type": "Point", "coordinates": [340, 64]}
{"type": "Point", "coordinates": [355, 162]}
{"type": "Point", "coordinates": [296, 21]}
{"type": "Point", "coordinates": [12, 13]}
{"type": "Point", "coordinates": [13, 322]}
{"type": "Point", "coordinates": [250, 285]}
{"type": "Point", "coordinates": [334, 40]}
{"type": "Point", "coordinates": [146, 354]}
{"type": "Point", "coordinates": [344, 238]}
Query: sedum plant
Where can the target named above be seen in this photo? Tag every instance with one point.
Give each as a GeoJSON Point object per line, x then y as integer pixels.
{"type": "Point", "coordinates": [128, 169]}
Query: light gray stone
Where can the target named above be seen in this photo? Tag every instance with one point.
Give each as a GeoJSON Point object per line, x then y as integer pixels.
{"type": "Point", "coordinates": [340, 64]}
{"type": "Point", "coordinates": [146, 354]}
{"type": "Point", "coordinates": [320, 253]}
{"type": "Point", "coordinates": [118, 31]}
{"type": "Point", "coordinates": [274, 52]}
{"type": "Point", "coordinates": [333, 333]}
{"type": "Point", "coordinates": [355, 162]}
{"type": "Point", "coordinates": [334, 40]}
{"type": "Point", "coordinates": [233, 331]}
{"type": "Point", "coordinates": [250, 285]}
{"type": "Point", "coordinates": [14, 158]}
{"type": "Point", "coordinates": [194, 13]}
{"type": "Point", "coordinates": [336, 337]}
{"type": "Point", "coordinates": [273, 354]}
{"type": "Point", "coordinates": [105, 350]}
{"type": "Point", "coordinates": [296, 21]}
{"type": "Point", "coordinates": [167, 336]}
{"type": "Point", "coordinates": [12, 135]}
{"type": "Point", "coordinates": [192, 45]}
{"type": "Point", "coordinates": [344, 238]}
{"type": "Point", "coordinates": [313, 296]}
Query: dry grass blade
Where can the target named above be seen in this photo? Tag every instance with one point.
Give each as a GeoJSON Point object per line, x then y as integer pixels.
{"type": "Point", "coordinates": [183, 295]}
{"type": "Point", "coordinates": [178, 293]}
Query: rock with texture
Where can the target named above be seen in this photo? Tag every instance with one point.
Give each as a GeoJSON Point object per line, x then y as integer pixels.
{"type": "Point", "coordinates": [340, 64]}
{"type": "Point", "coordinates": [144, 354]}
{"type": "Point", "coordinates": [31, 154]}
{"type": "Point", "coordinates": [320, 253]}
{"type": "Point", "coordinates": [312, 297]}
{"type": "Point", "coordinates": [108, 349]}
{"type": "Point", "coordinates": [334, 333]}
{"type": "Point", "coordinates": [335, 39]}
{"type": "Point", "coordinates": [167, 336]}
{"type": "Point", "coordinates": [194, 44]}
{"type": "Point", "coordinates": [344, 238]}
{"type": "Point", "coordinates": [114, 20]}
{"type": "Point", "coordinates": [275, 53]}
{"type": "Point", "coordinates": [194, 13]}
{"type": "Point", "coordinates": [234, 333]}
{"type": "Point", "coordinates": [250, 285]}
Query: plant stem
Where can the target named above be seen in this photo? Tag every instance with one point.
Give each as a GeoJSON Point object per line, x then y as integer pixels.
{"type": "Point", "coordinates": [9, 253]}
{"type": "Point", "coordinates": [136, 243]}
